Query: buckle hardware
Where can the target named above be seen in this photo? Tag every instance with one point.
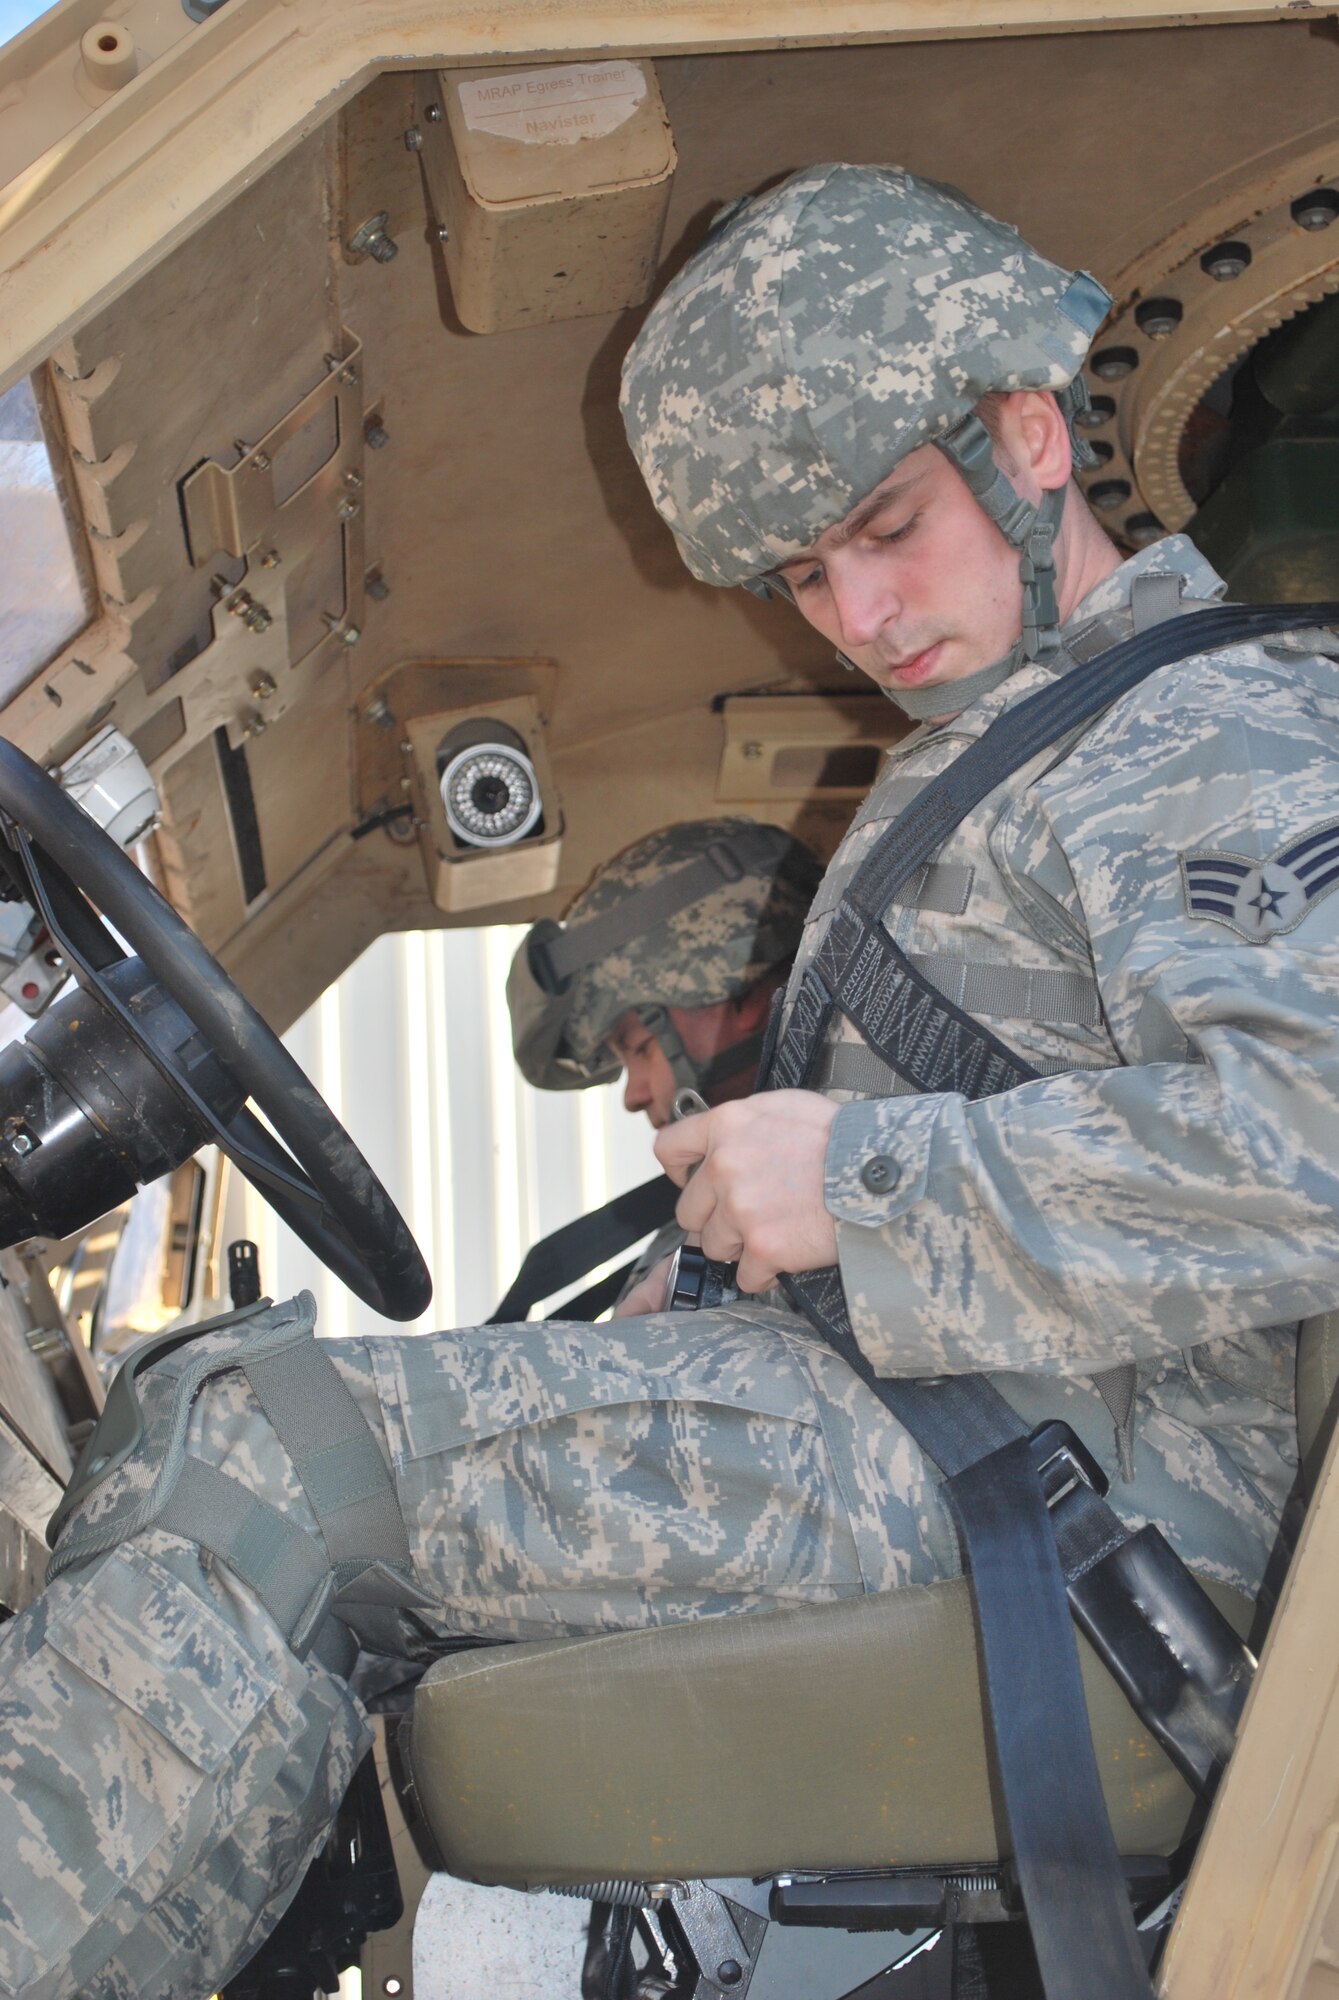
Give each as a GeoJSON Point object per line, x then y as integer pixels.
{"type": "Point", "coordinates": [1064, 1462]}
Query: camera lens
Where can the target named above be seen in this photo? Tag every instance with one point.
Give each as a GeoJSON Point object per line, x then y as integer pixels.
{"type": "Point", "coordinates": [491, 795]}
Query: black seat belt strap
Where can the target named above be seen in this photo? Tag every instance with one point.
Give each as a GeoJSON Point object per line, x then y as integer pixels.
{"type": "Point", "coordinates": [1085, 1944]}
{"type": "Point", "coordinates": [568, 1253]}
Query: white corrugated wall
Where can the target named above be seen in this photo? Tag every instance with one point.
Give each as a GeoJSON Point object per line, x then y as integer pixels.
{"type": "Point", "coordinates": [411, 1050]}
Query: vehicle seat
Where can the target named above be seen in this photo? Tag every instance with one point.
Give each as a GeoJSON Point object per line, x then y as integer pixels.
{"type": "Point", "coordinates": [842, 1735]}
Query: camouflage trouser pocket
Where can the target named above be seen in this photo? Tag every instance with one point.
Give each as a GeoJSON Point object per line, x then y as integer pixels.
{"type": "Point", "coordinates": [122, 1693]}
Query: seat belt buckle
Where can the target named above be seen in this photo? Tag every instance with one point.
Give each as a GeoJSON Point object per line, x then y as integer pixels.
{"type": "Point", "coordinates": [1063, 1461]}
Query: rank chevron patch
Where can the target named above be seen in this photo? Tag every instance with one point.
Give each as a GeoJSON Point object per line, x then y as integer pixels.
{"type": "Point", "coordinates": [1262, 899]}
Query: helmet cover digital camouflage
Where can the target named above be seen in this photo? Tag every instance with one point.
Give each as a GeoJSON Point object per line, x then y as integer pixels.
{"type": "Point", "coordinates": [755, 886]}
{"type": "Point", "coordinates": [823, 331]}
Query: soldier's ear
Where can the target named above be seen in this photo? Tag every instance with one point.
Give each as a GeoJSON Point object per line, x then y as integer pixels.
{"type": "Point", "coordinates": [1041, 439]}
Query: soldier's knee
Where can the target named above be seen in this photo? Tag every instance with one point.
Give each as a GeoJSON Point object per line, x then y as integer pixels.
{"type": "Point", "coordinates": [243, 1440]}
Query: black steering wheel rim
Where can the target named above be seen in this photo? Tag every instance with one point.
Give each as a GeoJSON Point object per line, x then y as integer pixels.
{"type": "Point", "coordinates": [325, 1191]}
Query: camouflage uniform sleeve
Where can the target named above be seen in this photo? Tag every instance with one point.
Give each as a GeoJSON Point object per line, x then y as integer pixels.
{"type": "Point", "coordinates": [1092, 1218]}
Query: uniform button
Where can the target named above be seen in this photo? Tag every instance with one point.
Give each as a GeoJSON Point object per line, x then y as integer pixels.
{"type": "Point", "coordinates": [879, 1174]}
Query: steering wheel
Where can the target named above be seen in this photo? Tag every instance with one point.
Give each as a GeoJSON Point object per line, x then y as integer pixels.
{"type": "Point", "coordinates": [98, 1099]}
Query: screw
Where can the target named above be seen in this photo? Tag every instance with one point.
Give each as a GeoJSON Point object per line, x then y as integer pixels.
{"type": "Point", "coordinates": [376, 586]}
{"type": "Point", "coordinates": [349, 376]}
{"type": "Point", "coordinates": [406, 749]}
{"type": "Point", "coordinates": [353, 479]}
{"type": "Point", "coordinates": [434, 114]}
{"type": "Point", "coordinates": [1158, 317]}
{"type": "Point", "coordinates": [379, 711]}
{"type": "Point", "coordinates": [371, 240]}
{"type": "Point", "coordinates": [271, 559]}
{"type": "Point", "coordinates": [262, 686]}
{"type": "Point", "coordinates": [21, 1142]}
{"type": "Point", "coordinates": [375, 436]}
{"type": "Point", "coordinates": [729, 1972]}
{"type": "Point", "coordinates": [253, 723]}
{"type": "Point", "coordinates": [406, 784]}
{"type": "Point", "coordinates": [752, 750]}
{"type": "Point", "coordinates": [348, 634]}
{"type": "Point", "coordinates": [443, 233]}
{"type": "Point", "coordinates": [347, 509]}
{"type": "Point", "coordinates": [240, 602]}
{"type": "Point", "coordinates": [261, 461]}
{"type": "Point", "coordinates": [1226, 260]}
{"type": "Point", "coordinates": [1316, 210]}
{"type": "Point", "coordinates": [413, 140]}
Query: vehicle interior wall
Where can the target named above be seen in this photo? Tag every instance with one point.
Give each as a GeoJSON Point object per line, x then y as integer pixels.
{"type": "Point", "coordinates": [504, 516]}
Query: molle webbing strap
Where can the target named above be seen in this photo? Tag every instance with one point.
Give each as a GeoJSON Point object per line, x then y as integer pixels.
{"type": "Point", "coordinates": [271, 1554]}
{"type": "Point", "coordinates": [335, 1456]}
{"type": "Point", "coordinates": [592, 938]}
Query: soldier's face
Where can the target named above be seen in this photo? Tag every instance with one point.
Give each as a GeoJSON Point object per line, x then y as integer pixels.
{"type": "Point", "coordinates": [917, 585]}
{"type": "Point", "coordinates": [648, 1080]}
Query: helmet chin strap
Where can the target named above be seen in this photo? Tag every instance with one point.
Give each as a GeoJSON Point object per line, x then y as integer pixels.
{"type": "Point", "coordinates": [702, 1077]}
{"type": "Point", "coordinates": [1032, 531]}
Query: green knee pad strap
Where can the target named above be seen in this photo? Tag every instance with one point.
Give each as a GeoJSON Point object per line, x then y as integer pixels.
{"type": "Point", "coordinates": [135, 1473]}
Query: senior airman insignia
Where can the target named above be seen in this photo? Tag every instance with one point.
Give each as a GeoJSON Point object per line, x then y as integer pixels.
{"type": "Point", "coordinates": [1262, 899]}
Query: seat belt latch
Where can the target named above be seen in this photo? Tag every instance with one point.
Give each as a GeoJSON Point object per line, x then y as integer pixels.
{"type": "Point", "coordinates": [1063, 1461]}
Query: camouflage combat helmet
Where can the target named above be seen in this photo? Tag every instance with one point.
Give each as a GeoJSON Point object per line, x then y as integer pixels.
{"type": "Point", "coordinates": [825, 330]}
{"type": "Point", "coordinates": [688, 917]}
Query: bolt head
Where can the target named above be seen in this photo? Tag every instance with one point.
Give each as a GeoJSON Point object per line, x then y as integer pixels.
{"type": "Point", "coordinates": [434, 114]}
{"type": "Point", "coordinates": [729, 1972]}
{"type": "Point", "coordinates": [349, 635]}
{"type": "Point", "coordinates": [1226, 261]}
{"type": "Point", "coordinates": [1158, 317]}
{"type": "Point", "coordinates": [271, 559]}
{"type": "Point", "coordinates": [1316, 210]}
{"type": "Point", "coordinates": [262, 686]}
{"type": "Point", "coordinates": [443, 233]}
{"type": "Point", "coordinates": [21, 1142]}
{"type": "Point", "coordinates": [347, 509]}
{"type": "Point", "coordinates": [1113, 364]}
{"type": "Point", "coordinates": [261, 461]}
{"type": "Point", "coordinates": [376, 438]}
{"type": "Point", "coordinates": [413, 140]}
{"type": "Point", "coordinates": [349, 376]}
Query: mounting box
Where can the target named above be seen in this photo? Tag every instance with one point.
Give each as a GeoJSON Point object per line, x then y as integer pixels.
{"type": "Point", "coordinates": [550, 186]}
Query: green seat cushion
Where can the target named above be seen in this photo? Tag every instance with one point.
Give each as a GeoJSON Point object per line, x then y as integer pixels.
{"type": "Point", "coordinates": [834, 1735]}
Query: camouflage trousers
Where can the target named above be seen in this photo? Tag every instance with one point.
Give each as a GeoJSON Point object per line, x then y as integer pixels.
{"type": "Point", "coordinates": [168, 1766]}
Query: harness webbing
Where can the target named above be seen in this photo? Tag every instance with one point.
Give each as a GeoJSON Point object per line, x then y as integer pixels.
{"type": "Point", "coordinates": [568, 1253]}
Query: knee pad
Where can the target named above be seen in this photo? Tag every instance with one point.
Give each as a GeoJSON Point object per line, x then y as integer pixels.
{"type": "Point", "coordinates": [136, 1472]}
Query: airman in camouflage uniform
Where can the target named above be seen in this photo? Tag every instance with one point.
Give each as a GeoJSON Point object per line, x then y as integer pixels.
{"type": "Point", "coordinates": [1148, 917]}
{"type": "Point", "coordinates": [665, 968]}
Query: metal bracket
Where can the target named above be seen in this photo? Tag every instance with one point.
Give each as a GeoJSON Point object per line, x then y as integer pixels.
{"type": "Point", "coordinates": [257, 666]}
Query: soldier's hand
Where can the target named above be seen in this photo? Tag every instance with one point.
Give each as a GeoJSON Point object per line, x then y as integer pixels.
{"type": "Point", "coordinates": [647, 1295]}
{"type": "Point", "coordinates": [752, 1178]}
